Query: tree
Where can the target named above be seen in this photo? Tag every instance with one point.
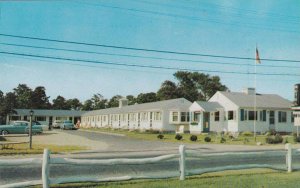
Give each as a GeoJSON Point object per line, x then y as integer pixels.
{"type": "Point", "coordinates": [74, 104]}
{"type": "Point", "coordinates": [168, 90]}
{"type": "Point", "coordinates": [114, 101]}
{"type": "Point", "coordinates": [7, 105]}
{"type": "Point", "coordinates": [98, 101]}
{"type": "Point", "coordinates": [197, 86]}
{"type": "Point", "coordinates": [60, 103]}
{"type": "Point", "coordinates": [131, 99]}
{"type": "Point", "coordinates": [23, 96]}
{"type": "Point", "coordinates": [146, 97]}
{"type": "Point", "coordinates": [39, 99]}
{"type": "Point", "coordinates": [87, 105]}
{"type": "Point", "coordinates": [186, 86]}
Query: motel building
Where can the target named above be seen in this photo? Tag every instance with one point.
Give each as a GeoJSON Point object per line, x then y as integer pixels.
{"type": "Point", "coordinates": [242, 111]}
{"type": "Point", "coordinates": [45, 117]}
{"type": "Point", "coordinates": [169, 116]}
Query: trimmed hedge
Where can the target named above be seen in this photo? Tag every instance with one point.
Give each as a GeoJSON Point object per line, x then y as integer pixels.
{"type": "Point", "coordinates": [194, 138]}
{"type": "Point", "coordinates": [178, 137]}
{"type": "Point", "coordinates": [207, 139]}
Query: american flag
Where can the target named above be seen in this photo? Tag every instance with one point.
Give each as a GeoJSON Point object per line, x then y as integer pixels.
{"type": "Point", "coordinates": [257, 57]}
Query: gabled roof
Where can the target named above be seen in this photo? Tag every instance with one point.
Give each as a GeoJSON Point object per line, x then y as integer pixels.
{"type": "Point", "coordinates": [40, 112]}
{"type": "Point", "coordinates": [173, 104]}
{"type": "Point", "coordinates": [262, 100]}
{"type": "Point", "coordinates": [209, 106]}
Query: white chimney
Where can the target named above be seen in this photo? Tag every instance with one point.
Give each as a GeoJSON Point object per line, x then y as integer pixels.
{"type": "Point", "coordinates": [249, 91]}
{"type": "Point", "coordinates": [123, 102]}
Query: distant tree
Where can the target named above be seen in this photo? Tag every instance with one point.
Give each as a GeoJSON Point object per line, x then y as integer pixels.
{"type": "Point", "coordinates": [98, 101]}
{"type": "Point", "coordinates": [131, 99]}
{"type": "Point", "coordinates": [146, 97]}
{"type": "Point", "coordinates": [59, 103]}
{"type": "Point", "coordinates": [39, 99]}
{"type": "Point", "coordinates": [7, 105]}
{"type": "Point", "coordinates": [168, 90]}
{"type": "Point", "coordinates": [186, 86]}
{"type": "Point", "coordinates": [23, 96]}
{"type": "Point", "coordinates": [197, 86]}
{"type": "Point", "coordinates": [87, 105]}
{"type": "Point", "coordinates": [74, 104]}
{"type": "Point", "coordinates": [114, 101]}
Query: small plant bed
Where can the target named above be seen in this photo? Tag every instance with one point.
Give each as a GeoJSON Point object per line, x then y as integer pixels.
{"type": "Point", "coordinates": [215, 138]}
{"type": "Point", "coordinates": [22, 149]}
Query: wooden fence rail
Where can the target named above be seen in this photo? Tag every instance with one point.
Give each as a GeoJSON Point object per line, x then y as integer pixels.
{"type": "Point", "coordinates": [182, 171]}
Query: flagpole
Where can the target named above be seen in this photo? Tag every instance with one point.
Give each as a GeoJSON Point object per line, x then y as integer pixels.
{"type": "Point", "coordinates": [255, 113]}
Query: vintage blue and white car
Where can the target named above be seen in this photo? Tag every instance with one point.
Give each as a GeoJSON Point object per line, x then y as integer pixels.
{"type": "Point", "coordinates": [20, 127]}
{"type": "Point", "coordinates": [67, 124]}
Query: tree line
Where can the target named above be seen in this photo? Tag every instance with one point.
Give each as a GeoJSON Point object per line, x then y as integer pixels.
{"type": "Point", "coordinates": [192, 86]}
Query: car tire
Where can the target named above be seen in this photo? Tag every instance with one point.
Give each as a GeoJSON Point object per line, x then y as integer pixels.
{"type": "Point", "coordinates": [4, 132]}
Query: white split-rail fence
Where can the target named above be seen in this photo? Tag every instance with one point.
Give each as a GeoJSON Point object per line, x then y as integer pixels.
{"type": "Point", "coordinates": [46, 161]}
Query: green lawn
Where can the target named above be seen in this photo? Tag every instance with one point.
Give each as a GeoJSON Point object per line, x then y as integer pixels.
{"type": "Point", "coordinates": [262, 178]}
{"type": "Point", "coordinates": [170, 137]}
{"type": "Point", "coordinates": [21, 149]}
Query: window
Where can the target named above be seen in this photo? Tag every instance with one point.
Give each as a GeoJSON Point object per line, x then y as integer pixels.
{"type": "Point", "coordinates": [281, 117]}
{"type": "Point", "coordinates": [40, 118]}
{"type": "Point", "coordinates": [175, 116]}
{"type": "Point", "coordinates": [196, 117]}
{"type": "Point", "coordinates": [184, 117]}
{"type": "Point", "coordinates": [230, 115]}
{"type": "Point", "coordinates": [157, 116]}
{"type": "Point", "coordinates": [252, 115]}
{"type": "Point", "coordinates": [217, 116]}
{"type": "Point", "coordinates": [15, 118]}
{"type": "Point", "coordinates": [263, 115]}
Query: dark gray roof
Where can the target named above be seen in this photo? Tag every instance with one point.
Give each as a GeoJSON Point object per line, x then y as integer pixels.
{"type": "Point", "coordinates": [209, 106]}
{"type": "Point", "coordinates": [262, 100]}
{"type": "Point", "coordinates": [176, 104]}
{"type": "Point", "coordinates": [39, 112]}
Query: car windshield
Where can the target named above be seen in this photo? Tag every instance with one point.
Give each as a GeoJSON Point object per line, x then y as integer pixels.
{"type": "Point", "coordinates": [67, 121]}
{"type": "Point", "coordinates": [20, 124]}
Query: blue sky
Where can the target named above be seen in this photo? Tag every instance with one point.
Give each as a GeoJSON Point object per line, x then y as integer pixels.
{"type": "Point", "coordinates": [229, 28]}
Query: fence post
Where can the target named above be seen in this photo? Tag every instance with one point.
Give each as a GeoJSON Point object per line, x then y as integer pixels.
{"type": "Point", "coordinates": [182, 162]}
{"type": "Point", "coordinates": [288, 147]}
{"type": "Point", "coordinates": [45, 168]}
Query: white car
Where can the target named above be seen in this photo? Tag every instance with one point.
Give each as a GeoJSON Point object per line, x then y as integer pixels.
{"type": "Point", "coordinates": [57, 123]}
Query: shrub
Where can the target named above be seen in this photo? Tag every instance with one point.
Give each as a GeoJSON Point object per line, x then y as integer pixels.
{"type": "Point", "coordinates": [247, 133]}
{"type": "Point", "coordinates": [194, 138]}
{"type": "Point", "coordinates": [285, 141]}
{"type": "Point", "coordinates": [274, 139]}
{"type": "Point", "coordinates": [2, 138]}
{"type": "Point", "coordinates": [160, 136]}
{"type": "Point", "coordinates": [246, 140]}
{"type": "Point", "coordinates": [222, 140]}
{"type": "Point", "coordinates": [178, 137]}
{"type": "Point", "coordinates": [207, 139]}
{"type": "Point", "coordinates": [297, 138]}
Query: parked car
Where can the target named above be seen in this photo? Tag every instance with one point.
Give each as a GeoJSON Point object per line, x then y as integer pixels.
{"type": "Point", "coordinates": [67, 124]}
{"type": "Point", "coordinates": [44, 127]}
{"type": "Point", "coordinates": [57, 123]}
{"type": "Point", "coordinates": [20, 127]}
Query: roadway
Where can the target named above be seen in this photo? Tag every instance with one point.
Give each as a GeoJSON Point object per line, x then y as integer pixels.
{"type": "Point", "coordinates": [121, 146]}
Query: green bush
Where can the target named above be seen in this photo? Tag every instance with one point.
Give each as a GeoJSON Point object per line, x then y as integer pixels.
{"type": "Point", "coordinates": [222, 140]}
{"type": "Point", "coordinates": [194, 138]}
{"type": "Point", "coordinates": [160, 136]}
{"type": "Point", "coordinates": [274, 139]}
{"type": "Point", "coordinates": [2, 138]}
{"type": "Point", "coordinates": [246, 140]}
{"type": "Point", "coordinates": [297, 138]}
{"type": "Point", "coordinates": [178, 137]}
{"type": "Point", "coordinates": [247, 133]}
{"type": "Point", "coordinates": [207, 139]}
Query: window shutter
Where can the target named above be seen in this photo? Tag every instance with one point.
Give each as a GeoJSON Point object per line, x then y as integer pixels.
{"type": "Point", "coordinates": [242, 114]}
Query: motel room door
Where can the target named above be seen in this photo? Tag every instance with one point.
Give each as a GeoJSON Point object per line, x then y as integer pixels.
{"type": "Point", "coordinates": [271, 120]}
{"type": "Point", "coordinates": [205, 122]}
